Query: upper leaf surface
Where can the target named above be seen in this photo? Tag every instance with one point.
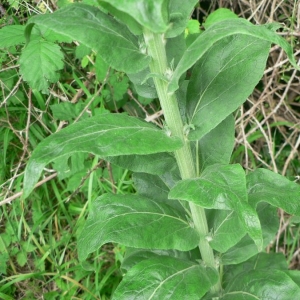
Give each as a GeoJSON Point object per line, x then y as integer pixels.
{"type": "Point", "coordinates": [221, 187]}
{"type": "Point", "coordinates": [222, 80]}
{"type": "Point", "coordinates": [152, 14]}
{"type": "Point", "coordinates": [166, 278]}
{"type": "Point", "coordinates": [12, 35]}
{"type": "Point", "coordinates": [104, 135]}
{"type": "Point", "coordinates": [219, 31]}
{"type": "Point", "coordinates": [39, 63]}
{"type": "Point", "coordinates": [180, 12]}
{"type": "Point", "coordinates": [99, 31]}
{"type": "Point", "coordinates": [262, 284]}
{"type": "Point", "coordinates": [135, 221]}
{"type": "Point", "coordinates": [266, 186]}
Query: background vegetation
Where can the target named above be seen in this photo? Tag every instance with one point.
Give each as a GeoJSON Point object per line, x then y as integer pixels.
{"type": "Point", "coordinates": [38, 258]}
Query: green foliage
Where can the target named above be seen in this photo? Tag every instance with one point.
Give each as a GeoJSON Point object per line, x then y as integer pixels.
{"type": "Point", "coordinates": [194, 214]}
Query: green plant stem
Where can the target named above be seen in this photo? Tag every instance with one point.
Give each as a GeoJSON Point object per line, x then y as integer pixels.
{"type": "Point", "coordinates": [159, 67]}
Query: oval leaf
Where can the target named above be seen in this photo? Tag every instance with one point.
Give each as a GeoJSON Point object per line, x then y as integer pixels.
{"type": "Point", "coordinates": [103, 135]}
{"type": "Point", "coordinates": [262, 284]}
{"type": "Point", "coordinates": [166, 278]}
{"type": "Point", "coordinates": [266, 186]}
{"type": "Point", "coordinates": [221, 187]}
{"type": "Point", "coordinates": [104, 32]}
{"type": "Point", "coordinates": [223, 79]}
{"type": "Point", "coordinates": [135, 221]}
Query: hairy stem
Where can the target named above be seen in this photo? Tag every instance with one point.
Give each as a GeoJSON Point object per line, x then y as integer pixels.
{"type": "Point", "coordinates": [159, 67]}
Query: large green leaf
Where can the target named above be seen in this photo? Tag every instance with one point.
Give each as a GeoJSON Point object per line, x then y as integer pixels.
{"type": "Point", "coordinates": [209, 150]}
{"type": "Point", "coordinates": [103, 135]}
{"type": "Point", "coordinates": [12, 35]}
{"type": "Point", "coordinates": [166, 278]}
{"type": "Point", "coordinates": [152, 14]}
{"type": "Point", "coordinates": [99, 31]}
{"type": "Point", "coordinates": [135, 221]}
{"type": "Point", "coordinates": [40, 62]}
{"type": "Point", "coordinates": [221, 187]}
{"type": "Point", "coordinates": [134, 256]}
{"type": "Point", "coordinates": [262, 284]}
{"type": "Point", "coordinates": [246, 248]}
{"type": "Point", "coordinates": [220, 30]}
{"type": "Point", "coordinates": [261, 261]}
{"type": "Point", "coordinates": [266, 186]}
{"type": "Point", "coordinates": [222, 80]}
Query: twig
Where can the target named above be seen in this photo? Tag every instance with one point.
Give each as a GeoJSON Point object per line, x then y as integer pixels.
{"type": "Point", "coordinates": [19, 194]}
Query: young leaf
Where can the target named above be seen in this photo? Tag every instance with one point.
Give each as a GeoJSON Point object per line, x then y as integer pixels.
{"type": "Point", "coordinates": [219, 31]}
{"type": "Point", "coordinates": [221, 187]}
{"type": "Point", "coordinates": [262, 284]}
{"type": "Point", "coordinates": [219, 15]}
{"type": "Point", "coordinates": [103, 135]}
{"type": "Point", "coordinates": [104, 32]}
{"type": "Point", "coordinates": [12, 35]}
{"type": "Point", "coordinates": [166, 278]}
{"type": "Point", "coordinates": [266, 186]}
{"type": "Point", "coordinates": [135, 221]}
{"type": "Point", "coordinates": [40, 62]}
{"type": "Point", "coordinates": [152, 14]}
{"type": "Point", "coordinates": [222, 80]}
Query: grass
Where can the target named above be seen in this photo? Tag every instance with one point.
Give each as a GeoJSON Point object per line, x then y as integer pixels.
{"type": "Point", "coordinates": [38, 257]}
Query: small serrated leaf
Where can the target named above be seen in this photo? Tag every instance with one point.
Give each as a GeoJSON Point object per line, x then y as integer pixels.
{"type": "Point", "coordinates": [12, 35]}
{"type": "Point", "coordinates": [40, 62]}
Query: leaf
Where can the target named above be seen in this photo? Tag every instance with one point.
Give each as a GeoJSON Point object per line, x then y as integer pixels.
{"type": "Point", "coordinates": [156, 164]}
{"type": "Point", "coordinates": [152, 186]}
{"type": "Point", "coordinates": [209, 150]}
{"type": "Point", "coordinates": [135, 221]}
{"type": "Point", "coordinates": [104, 32]}
{"type": "Point", "coordinates": [221, 187]}
{"type": "Point", "coordinates": [262, 284]}
{"type": "Point", "coordinates": [222, 80]}
{"type": "Point", "coordinates": [40, 62]}
{"type": "Point", "coordinates": [125, 18]}
{"type": "Point", "coordinates": [266, 186]}
{"type": "Point", "coordinates": [226, 229]}
{"type": "Point", "coordinates": [246, 248]}
{"type": "Point", "coordinates": [166, 278]}
{"type": "Point", "coordinates": [103, 135]}
{"type": "Point", "coordinates": [220, 30]}
{"type": "Point", "coordinates": [261, 261]}
{"type": "Point", "coordinates": [180, 12]}
{"type": "Point", "coordinates": [134, 256]}
{"type": "Point", "coordinates": [152, 14]}
{"type": "Point", "coordinates": [218, 15]}
{"type": "Point", "coordinates": [12, 35]}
